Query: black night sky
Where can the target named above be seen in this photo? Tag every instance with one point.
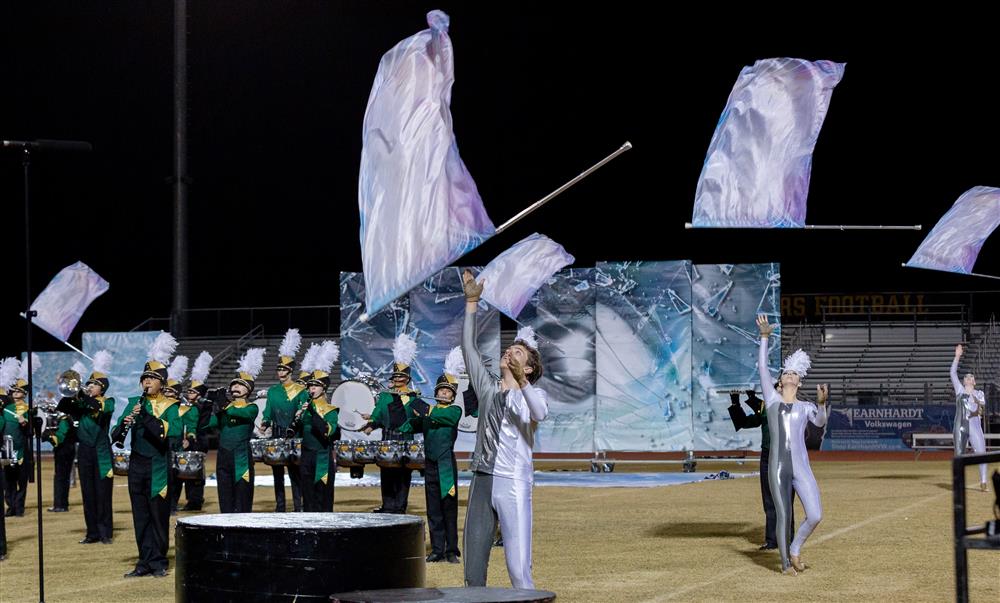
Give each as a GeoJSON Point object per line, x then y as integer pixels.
{"type": "Point", "coordinates": [277, 92]}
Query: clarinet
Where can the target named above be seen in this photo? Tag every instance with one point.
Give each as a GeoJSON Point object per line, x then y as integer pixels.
{"type": "Point", "coordinates": [297, 419]}
{"type": "Point", "coordinates": [124, 432]}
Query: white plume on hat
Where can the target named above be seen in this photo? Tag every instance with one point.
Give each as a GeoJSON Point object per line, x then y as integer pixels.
{"type": "Point", "coordinates": [290, 344]}
{"type": "Point", "coordinates": [454, 364]}
{"type": "Point", "coordinates": [404, 349]}
{"type": "Point", "coordinates": [252, 362]}
{"type": "Point", "coordinates": [9, 370]}
{"type": "Point", "coordinates": [201, 368]}
{"type": "Point", "coordinates": [527, 335]}
{"type": "Point", "coordinates": [178, 368]}
{"type": "Point", "coordinates": [163, 348]}
{"type": "Point", "coordinates": [798, 362]}
{"type": "Point", "coordinates": [102, 362]}
{"type": "Point", "coordinates": [308, 364]}
{"type": "Point", "coordinates": [328, 354]}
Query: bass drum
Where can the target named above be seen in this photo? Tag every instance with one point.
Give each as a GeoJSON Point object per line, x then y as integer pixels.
{"type": "Point", "coordinates": [354, 398]}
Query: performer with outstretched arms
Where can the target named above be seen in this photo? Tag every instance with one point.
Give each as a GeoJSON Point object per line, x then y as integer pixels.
{"type": "Point", "coordinates": [509, 413]}
{"type": "Point", "coordinates": [970, 407]}
{"type": "Point", "coordinates": [789, 463]}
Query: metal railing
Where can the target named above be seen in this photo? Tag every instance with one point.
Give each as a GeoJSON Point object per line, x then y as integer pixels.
{"type": "Point", "coordinates": [234, 321]}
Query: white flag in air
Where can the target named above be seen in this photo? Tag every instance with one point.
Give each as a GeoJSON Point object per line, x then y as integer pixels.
{"type": "Point", "coordinates": [514, 275]}
{"type": "Point", "coordinates": [420, 208]}
{"type": "Point", "coordinates": [62, 303]}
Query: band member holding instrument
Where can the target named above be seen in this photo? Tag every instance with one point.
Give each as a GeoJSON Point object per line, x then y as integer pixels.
{"type": "Point", "coordinates": [18, 473]}
{"type": "Point", "coordinates": [509, 413]}
{"type": "Point", "coordinates": [392, 410]}
{"type": "Point", "coordinates": [234, 415]}
{"type": "Point", "coordinates": [283, 399]}
{"type": "Point", "coordinates": [440, 429]}
{"type": "Point", "coordinates": [195, 436]}
{"type": "Point", "coordinates": [318, 426]}
{"type": "Point", "coordinates": [148, 419]}
{"type": "Point", "coordinates": [176, 435]}
{"type": "Point", "coordinates": [94, 452]}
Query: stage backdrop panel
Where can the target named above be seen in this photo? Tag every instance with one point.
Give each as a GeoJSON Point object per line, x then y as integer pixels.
{"type": "Point", "coordinates": [643, 356]}
{"type": "Point", "coordinates": [129, 351]}
{"type": "Point", "coordinates": [432, 314]}
{"type": "Point", "coordinates": [562, 314]}
{"type": "Point", "coordinates": [726, 299]}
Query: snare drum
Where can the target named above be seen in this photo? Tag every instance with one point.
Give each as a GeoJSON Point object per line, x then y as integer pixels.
{"type": "Point", "coordinates": [364, 452]}
{"type": "Point", "coordinates": [119, 461]}
{"type": "Point", "coordinates": [8, 456]}
{"type": "Point", "coordinates": [344, 449]}
{"type": "Point", "coordinates": [355, 397]}
{"type": "Point", "coordinates": [414, 455]}
{"type": "Point", "coordinates": [257, 449]}
{"type": "Point", "coordinates": [277, 451]}
{"type": "Point", "coordinates": [389, 453]}
{"type": "Point", "coordinates": [294, 450]}
{"type": "Point", "coordinates": [189, 465]}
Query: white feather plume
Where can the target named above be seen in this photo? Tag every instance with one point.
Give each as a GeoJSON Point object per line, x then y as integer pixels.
{"type": "Point", "coordinates": [328, 354]}
{"type": "Point", "coordinates": [331, 351]}
{"type": "Point", "coordinates": [163, 348]}
{"type": "Point", "coordinates": [404, 349]}
{"type": "Point", "coordinates": [527, 335]}
{"type": "Point", "coordinates": [252, 361]}
{"type": "Point", "coordinates": [102, 362]}
{"type": "Point", "coordinates": [10, 368]}
{"type": "Point", "coordinates": [201, 368]}
{"type": "Point", "coordinates": [309, 360]}
{"type": "Point", "coordinates": [80, 368]}
{"type": "Point", "coordinates": [290, 344]}
{"type": "Point", "coordinates": [178, 368]}
{"type": "Point", "coordinates": [798, 363]}
{"type": "Point", "coordinates": [454, 364]}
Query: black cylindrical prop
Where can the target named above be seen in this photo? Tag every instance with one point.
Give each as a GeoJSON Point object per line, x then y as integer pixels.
{"type": "Point", "coordinates": [446, 595]}
{"type": "Point", "coordinates": [248, 557]}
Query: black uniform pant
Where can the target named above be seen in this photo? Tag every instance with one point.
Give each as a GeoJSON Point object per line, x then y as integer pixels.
{"type": "Point", "coordinates": [278, 471]}
{"type": "Point", "coordinates": [317, 497]}
{"type": "Point", "coordinates": [442, 513]}
{"type": "Point", "coordinates": [63, 456]}
{"type": "Point", "coordinates": [234, 496]}
{"type": "Point", "coordinates": [17, 487]}
{"type": "Point", "coordinates": [770, 517]}
{"type": "Point", "coordinates": [395, 484]}
{"type": "Point", "coordinates": [96, 490]}
{"type": "Point", "coordinates": [150, 516]}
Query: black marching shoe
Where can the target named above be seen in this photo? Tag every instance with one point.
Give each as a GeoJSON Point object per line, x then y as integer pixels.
{"type": "Point", "coordinates": [89, 540]}
{"type": "Point", "coordinates": [160, 573]}
{"type": "Point", "coordinates": [434, 558]}
{"type": "Point", "coordinates": [107, 541]}
{"type": "Point", "coordinates": [58, 510]}
{"type": "Point", "coordinates": [190, 507]}
{"type": "Point", "coordinates": [453, 558]}
{"type": "Point", "coordinates": [767, 546]}
{"type": "Point", "coordinates": [137, 573]}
